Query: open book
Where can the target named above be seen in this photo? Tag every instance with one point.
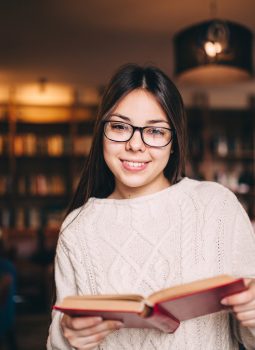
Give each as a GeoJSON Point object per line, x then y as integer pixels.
{"type": "Point", "coordinates": [164, 309]}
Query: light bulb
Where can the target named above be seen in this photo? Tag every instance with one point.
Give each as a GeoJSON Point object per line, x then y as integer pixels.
{"type": "Point", "coordinates": [212, 49]}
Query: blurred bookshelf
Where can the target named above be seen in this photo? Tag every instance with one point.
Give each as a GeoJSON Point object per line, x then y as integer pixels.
{"type": "Point", "coordinates": [222, 149]}
{"type": "Point", "coordinates": [40, 164]}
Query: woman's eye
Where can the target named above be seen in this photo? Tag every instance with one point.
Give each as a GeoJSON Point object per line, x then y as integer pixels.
{"type": "Point", "coordinates": [118, 126]}
{"type": "Point", "coordinates": [156, 131]}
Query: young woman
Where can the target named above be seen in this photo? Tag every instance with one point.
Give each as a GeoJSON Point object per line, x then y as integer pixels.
{"type": "Point", "coordinates": [137, 225]}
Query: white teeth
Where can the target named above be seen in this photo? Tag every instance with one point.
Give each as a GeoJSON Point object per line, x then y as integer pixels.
{"type": "Point", "coordinates": [134, 164]}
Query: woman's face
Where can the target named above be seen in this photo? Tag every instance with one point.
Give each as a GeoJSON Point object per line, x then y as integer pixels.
{"type": "Point", "coordinates": [137, 168]}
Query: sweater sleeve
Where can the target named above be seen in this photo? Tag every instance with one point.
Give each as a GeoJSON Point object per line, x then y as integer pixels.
{"type": "Point", "coordinates": [65, 285]}
{"type": "Point", "coordinates": [243, 265]}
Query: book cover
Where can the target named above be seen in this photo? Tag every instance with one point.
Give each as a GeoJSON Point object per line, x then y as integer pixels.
{"type": "Point", "coordinates": [164, 309]}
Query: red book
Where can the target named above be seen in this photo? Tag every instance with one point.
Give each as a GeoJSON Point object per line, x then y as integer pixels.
{"type": "Point", "coordinates": [164, 309]}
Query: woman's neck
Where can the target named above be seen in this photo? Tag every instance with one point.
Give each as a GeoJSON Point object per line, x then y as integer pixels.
{"type": "Point", "coordinates": [124, 192]}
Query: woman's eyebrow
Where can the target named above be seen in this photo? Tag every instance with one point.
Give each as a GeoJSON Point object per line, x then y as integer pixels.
{"type": "Point", "coordinates": [152, 121]}
{"type": "Point", "coordinates": [120, 116]}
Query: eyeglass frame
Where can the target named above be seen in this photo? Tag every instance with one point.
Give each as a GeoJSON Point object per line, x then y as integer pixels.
{"type": "Point", "coordinates": [140, 129]}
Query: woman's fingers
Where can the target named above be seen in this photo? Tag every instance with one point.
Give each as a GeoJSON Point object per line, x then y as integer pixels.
{"type": "Point", "coordinates": [242, 298]}
{"type": "Point", "coordinates": [246, 315]}
{"type": "Point", "coordinates": [243, 304]}
{"type": "Point", "coordinates": [87, 342]}
{"type": "Point", "coordinates": [80, 322]}
{"type": "Point", "coordinates": [244, 307]}
{"type": "Point", "coordinates": [101, 327]}
{"type": "Point", "coordinates": [85, 332]}
{"type": "Point", "coordinates": [89, 346]}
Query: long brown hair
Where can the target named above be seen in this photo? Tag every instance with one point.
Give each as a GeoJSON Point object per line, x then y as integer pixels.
{"type": "Point", "coordinates": [96, 179]}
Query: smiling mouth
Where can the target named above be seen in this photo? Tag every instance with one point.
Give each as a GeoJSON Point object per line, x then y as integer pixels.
{"type": "Point", "coordinates": [133, 164]}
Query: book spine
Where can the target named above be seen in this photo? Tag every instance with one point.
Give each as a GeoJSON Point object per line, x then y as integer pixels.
{"type": "Point", "coordinates": [163, 320]}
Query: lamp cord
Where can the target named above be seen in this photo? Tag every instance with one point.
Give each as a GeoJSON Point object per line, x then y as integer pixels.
{"type": "Point", "coordinates": [213, 9]}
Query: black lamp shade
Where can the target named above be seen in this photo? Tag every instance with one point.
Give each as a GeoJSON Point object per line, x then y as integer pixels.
{"type": "Point", "coordinates": [192, 64]}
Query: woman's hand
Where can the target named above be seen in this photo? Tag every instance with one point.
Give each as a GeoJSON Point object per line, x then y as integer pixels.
{"type": "Point", "coordinates": [243, 304]}
{"type": "Point", "coordinates": [87, 332]}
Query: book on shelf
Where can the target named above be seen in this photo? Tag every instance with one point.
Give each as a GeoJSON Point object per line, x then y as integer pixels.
{"type": "Point", "coordinates": [41, 147]}
{"type": "Point", "coordinates": [5, 218]}
{"type": "Point", "coordinates": [4, 145]}
{"type": "Point", "coordinates": [19, 145]}
{"type": "Point", "coordinates": [34, 220]}
{"type": "Point", "coordinates": [55, 145]}
{"type": "Point", "coordinates": [40, 185]}
{"type": "Point", "coordinates": [4, 184]}
{"type": "Point", "coordinates": [20, 218]}
{"type": "Point", "coordinates": [30, 144]}
{"type": "Point", "coordinates": [233, 145]}
{"type": "Point", "coordinates": [164, 309]}
{"type": "Point", "coordinates": [82, 145]}
{"type": "Point", "coordinates": [34, 145]}
{"type": "Point", "coordinates": [54, 219]}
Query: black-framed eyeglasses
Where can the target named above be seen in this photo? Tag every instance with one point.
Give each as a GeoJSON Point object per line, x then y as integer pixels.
{"type": "Point", "coordinates": [152, 136]}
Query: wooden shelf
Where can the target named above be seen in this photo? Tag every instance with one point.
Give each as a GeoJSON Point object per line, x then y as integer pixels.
{"type": "Point", "coordinates": [38, 157]}
{"type": "Point", "coordinates": [42, 159]}
{"type": "Point", "coordinates": [221, 146]}
{"type": "Point", "coordinates": [245, 156]}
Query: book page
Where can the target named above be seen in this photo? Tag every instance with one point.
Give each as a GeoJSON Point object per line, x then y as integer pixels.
{"type": "Point", "coordinates": [106, 297]}
{"type": "Point", "coordinates": [188, 288]}
{"type": "Point", "coordinates": [126, 303]}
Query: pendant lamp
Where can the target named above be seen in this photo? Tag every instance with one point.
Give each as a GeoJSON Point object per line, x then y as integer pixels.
{"type": "Point", "coordinates": [214, 51]}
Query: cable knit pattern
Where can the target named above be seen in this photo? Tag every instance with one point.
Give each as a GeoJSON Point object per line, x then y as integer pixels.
{"type": "Point", "coordinates": [189, 231]}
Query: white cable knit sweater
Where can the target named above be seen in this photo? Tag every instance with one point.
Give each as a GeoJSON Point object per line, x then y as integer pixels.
{"type": "Point", "coordinates": [189, 231]}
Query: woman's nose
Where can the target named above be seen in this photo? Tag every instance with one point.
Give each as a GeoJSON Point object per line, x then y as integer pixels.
{"type": "Point", "coordinates": [136, 142]}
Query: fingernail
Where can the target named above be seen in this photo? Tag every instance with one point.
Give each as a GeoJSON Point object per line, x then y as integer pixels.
{"type": "Point", "coordinates": [98, 319]}
{"type": "Point", "coordinates": [224, 301]}
{"type": "Point", "coordinates": [119, 325]}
